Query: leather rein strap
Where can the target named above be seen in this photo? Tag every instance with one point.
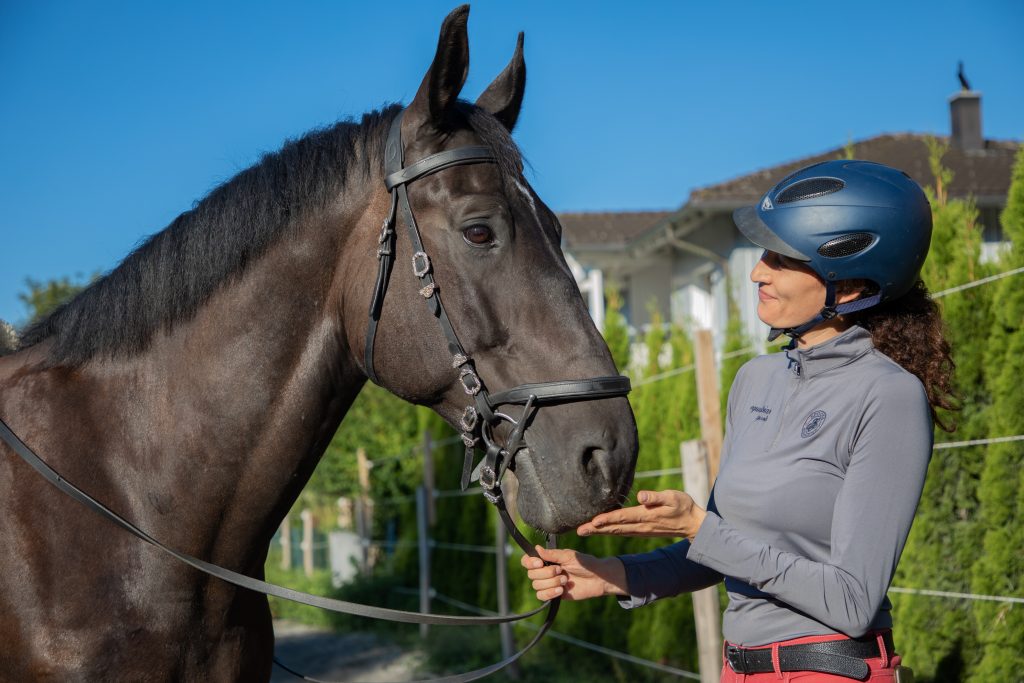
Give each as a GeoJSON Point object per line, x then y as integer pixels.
{"type": "Point", "coordinates": [247, 582]}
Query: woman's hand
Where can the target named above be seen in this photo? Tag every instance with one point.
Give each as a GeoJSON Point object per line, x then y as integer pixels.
{"type": "Point", "coordinates": [573, 575]}
{"type": "Point", "coordinates": [660, 513]}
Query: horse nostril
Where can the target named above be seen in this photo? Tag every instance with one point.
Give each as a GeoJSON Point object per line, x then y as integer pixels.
{"type": "Point", "coordinates": [595, 465]}
{"type": "Point", "coordinates": [588, 458]}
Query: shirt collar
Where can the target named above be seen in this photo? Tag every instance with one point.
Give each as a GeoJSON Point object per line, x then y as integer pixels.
{"type": "Point", "coordinates": [844, 348]}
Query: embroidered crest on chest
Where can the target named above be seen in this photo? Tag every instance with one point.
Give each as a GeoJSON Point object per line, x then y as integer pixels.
{"type": "Point", "coordinates": [812, 424]}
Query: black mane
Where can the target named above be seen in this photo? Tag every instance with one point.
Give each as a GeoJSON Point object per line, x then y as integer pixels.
{"type": "Point", "coordinates": [171, 275]}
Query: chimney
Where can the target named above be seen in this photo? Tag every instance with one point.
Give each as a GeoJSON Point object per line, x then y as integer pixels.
{"type": "Point", "coordinates": [965, 116]}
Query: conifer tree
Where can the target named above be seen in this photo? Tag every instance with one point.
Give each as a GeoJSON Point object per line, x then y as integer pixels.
{"type": "Point", "coordinates": [646, 400]}
{"type": "Point", "coordinates": [666, 415]}
{"type": "Point", "coordinates": [735, 341]}
{"type": "Point", "coordinates": [999, 568]}
{"type": "Point", "coordinates": [616, 332]}
{"type": "Point", "coordinates": [937, 636]}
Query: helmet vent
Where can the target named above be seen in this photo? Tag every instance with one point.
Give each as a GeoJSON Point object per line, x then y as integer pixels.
{"type": "Point", "coordinates": [809, 189]}
{"type": "Point", "coordinates": [846, 245]}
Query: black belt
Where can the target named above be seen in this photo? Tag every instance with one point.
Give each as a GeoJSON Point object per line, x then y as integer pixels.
{"type": "Point", "coordinates": [839, 657]}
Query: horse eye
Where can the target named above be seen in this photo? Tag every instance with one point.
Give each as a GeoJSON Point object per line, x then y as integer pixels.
{"type": "Point", "coordinates": [478, 234]}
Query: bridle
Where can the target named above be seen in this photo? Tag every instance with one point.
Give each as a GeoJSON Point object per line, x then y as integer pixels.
{"type": "Point", "coordinates": [481, 418]}
{"type": "Point", "coordinates": [478, 421]}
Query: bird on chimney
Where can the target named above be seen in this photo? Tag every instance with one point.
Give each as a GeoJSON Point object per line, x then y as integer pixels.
{"type": "Point", "coordinates": [964, 85]}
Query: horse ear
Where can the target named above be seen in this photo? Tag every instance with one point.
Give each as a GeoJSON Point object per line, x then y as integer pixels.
{"type": "Point", "coordinates": [504, 96]}
{"type": "Point", "coordinates": [447, 73]}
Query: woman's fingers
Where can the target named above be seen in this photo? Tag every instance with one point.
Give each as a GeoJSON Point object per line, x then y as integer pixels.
{"type": "Point", "coordinates": [555, 555]}
{"type": "Point", "coordinates": [547, 572]}
{"type": "Point", "coordinates": [550, 594]}
{"type": "Point", "coordinates": [660, 513]}
{"type": "Point", "coordinates": [531, 562]}
{"type": "Point", "coordinates": [548, 568]}
{"type": "Point", "coordinates": [630, 529]}
{"type": "Point", "coordinates": [546, 584]}
{"type": "Point", "coordinates": [624, 516]}
{"type": "Point", "coordinates": [653, 498]}
{"type": "Point", "coordinates": [640, 519]}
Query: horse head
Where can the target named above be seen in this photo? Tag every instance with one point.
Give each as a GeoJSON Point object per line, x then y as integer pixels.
{"type": "Point", "coordinates": [514, 308]}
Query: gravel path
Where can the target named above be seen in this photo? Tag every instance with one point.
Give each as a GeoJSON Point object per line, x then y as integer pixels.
{"type": "Point", "coordinates": [341, 657]}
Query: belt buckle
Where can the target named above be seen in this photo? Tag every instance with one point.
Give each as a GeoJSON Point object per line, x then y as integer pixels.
{"type": "Point", "coordinates": [736, 657]}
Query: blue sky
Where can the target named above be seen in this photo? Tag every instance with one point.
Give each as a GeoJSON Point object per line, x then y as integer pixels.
{"type": "Point", "coordinates": [116, 117]}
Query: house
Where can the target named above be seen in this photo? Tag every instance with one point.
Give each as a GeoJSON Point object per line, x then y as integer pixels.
{"type": "Point", "coordinates": [686, 263]}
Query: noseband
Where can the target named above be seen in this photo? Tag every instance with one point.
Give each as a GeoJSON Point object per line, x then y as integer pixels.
{"type": "Point", "coordinates": [482, 417]}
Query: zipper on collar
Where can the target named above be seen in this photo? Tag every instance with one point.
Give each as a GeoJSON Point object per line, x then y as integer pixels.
{"type": "Point", "coordinates": [798, 380]}
{"type": "Point", "coordinates": [794, 363]}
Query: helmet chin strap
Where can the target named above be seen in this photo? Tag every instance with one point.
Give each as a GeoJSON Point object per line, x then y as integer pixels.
{"type": "Point", "coordinates": [829, 310]}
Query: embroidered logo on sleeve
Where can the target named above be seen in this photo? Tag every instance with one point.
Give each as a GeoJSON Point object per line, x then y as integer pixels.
{"type": "Point", "coordinates": [761, 413]}
{"type": "Point", "coordinates": [813, 423]}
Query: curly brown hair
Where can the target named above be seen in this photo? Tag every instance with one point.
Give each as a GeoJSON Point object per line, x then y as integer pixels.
{"type": "Point", "coordinates": [910, 331]}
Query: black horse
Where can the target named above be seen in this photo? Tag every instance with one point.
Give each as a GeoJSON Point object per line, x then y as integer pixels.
{"type": "Point", "coordinates": [195, 387]}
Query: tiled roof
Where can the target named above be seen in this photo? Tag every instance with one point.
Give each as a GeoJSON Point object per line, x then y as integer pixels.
{"type": "Point", "coordinates": [982, 173]}
{"type": "Point", "coordinates": [606, 229]}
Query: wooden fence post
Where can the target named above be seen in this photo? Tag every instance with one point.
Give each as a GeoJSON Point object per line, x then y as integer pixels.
{"type": "Point", "coordinates": [708, 400]}
{"type": "Point", "coordinates": [286, 543]}
{"type": "Point", "coordinates": [428, 476]}
{"type": "Point", "coordinates": [706, 608]}
{"type": "Point", "coordinates": [423, 541]}
{"type": "Point", "coordinates": [364, 509]}
{"type": "Point", "coordinates": [307, 542]}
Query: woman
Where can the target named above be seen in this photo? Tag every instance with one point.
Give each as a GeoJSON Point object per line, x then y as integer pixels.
{"type": "Point", "coordinates": [826, 445]}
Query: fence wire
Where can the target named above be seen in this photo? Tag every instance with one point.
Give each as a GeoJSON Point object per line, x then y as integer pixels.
{"type": "Point", "coordinates": [977, 283]}
{"type": "Point", "coordinates": [978, 442]}
{"type": "Point", "coordinates": [689, 368]}
{"type": "Point", "coordinates": [412, 451]}
{"type": "Point", "coordinates": [959, 596]}
{"type": "Point", "coordinates": [573, 641]}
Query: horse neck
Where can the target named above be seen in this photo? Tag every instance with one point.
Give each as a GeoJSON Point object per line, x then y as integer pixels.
{"type": "Point", "coordinates": [251, 390]}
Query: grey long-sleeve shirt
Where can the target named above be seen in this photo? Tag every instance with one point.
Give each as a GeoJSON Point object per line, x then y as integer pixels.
{"type": "Point", "coordinates": [824, 459]}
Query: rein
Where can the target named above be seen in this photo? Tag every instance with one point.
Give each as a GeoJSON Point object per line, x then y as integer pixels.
{"type": "Point", "coordinates": [247, 582]}
{"type": "Point", "coordinates": [478, 422]}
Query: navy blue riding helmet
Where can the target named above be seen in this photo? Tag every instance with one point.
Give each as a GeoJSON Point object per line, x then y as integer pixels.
{"type": "Point", "coordinates": [846, 220]}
